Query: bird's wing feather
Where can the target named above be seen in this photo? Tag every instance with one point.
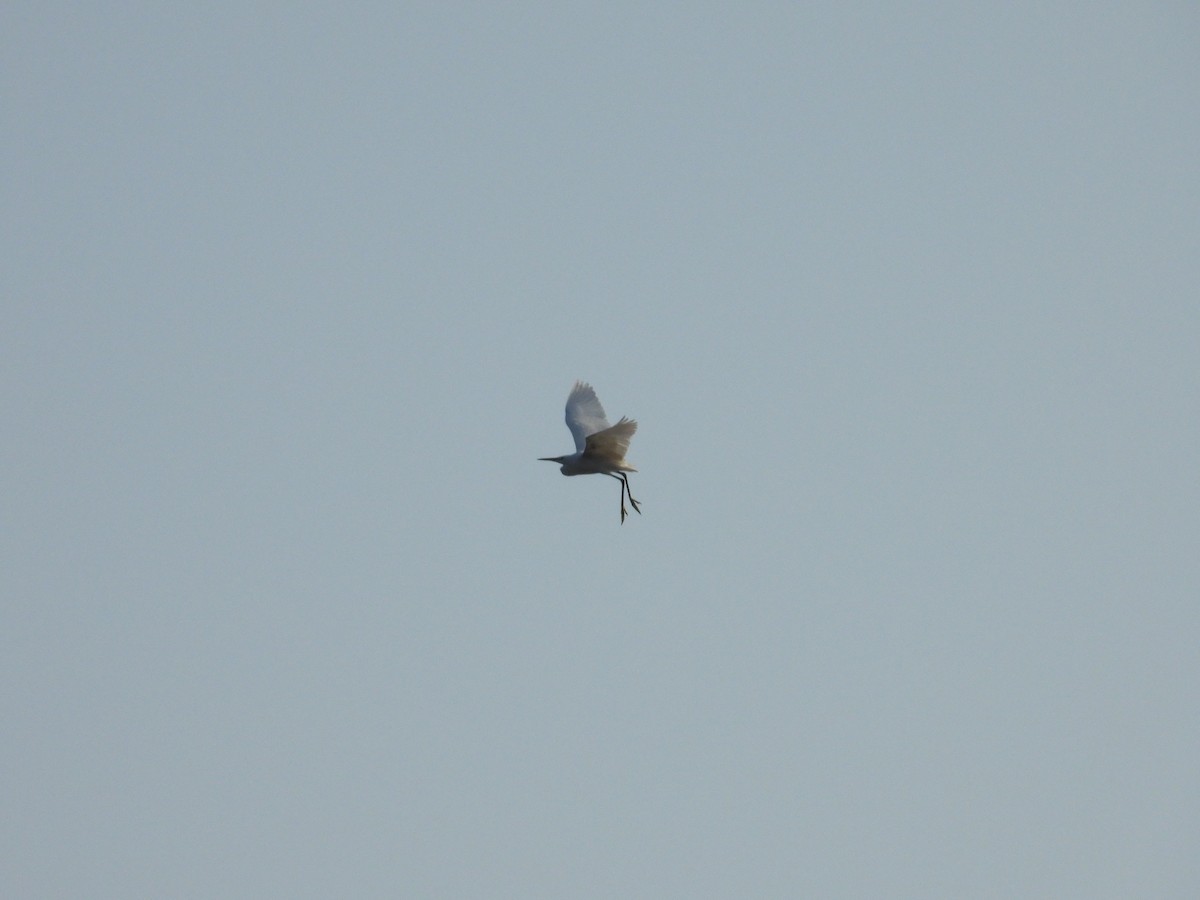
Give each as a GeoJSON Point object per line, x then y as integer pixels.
{"type": "Point", "coordinates": [612, 443]}
{"type": "Point", "coordinates": [585, 415]}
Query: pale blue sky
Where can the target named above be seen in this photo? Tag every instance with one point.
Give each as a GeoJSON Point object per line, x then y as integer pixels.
{"type": "Point", "coordinates": [904, 298]}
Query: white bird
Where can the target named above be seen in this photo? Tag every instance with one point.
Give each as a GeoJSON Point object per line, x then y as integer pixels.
{"type": "Point", "coordinates": [600, 448]}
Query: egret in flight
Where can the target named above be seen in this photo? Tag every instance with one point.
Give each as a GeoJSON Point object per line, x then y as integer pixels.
{"type": "Point", "coordinates": [599, 447]}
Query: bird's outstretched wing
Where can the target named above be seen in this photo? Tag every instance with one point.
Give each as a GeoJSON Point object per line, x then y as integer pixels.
{"type": "Point", "coordinates": [612, 444]}
{"type": "Point", "coordinates": [585, 415]}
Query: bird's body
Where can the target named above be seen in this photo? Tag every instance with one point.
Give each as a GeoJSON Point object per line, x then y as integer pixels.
{"type": "Point", "coordinates": [600, 448]}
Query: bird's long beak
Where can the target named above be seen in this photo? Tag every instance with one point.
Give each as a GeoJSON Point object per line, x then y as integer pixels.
{"type": "Point", "coordinates": [557, 459]}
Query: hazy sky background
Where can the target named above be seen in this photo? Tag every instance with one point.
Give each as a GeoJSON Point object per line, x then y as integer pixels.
{"type": "Point", "coordinates": [905, 299]}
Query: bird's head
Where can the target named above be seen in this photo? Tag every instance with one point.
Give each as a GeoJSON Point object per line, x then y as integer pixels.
{"type": "Point", "coordinates": [561, 460]}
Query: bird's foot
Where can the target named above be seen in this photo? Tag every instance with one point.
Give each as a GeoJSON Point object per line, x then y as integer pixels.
{"type": "Point", "coordinates": [623, 513]}
{"type": "Point", "coordinates": [637, 507]}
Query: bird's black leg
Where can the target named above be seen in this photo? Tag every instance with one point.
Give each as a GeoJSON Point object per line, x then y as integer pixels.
{"type": "Point", "coordinates": [624, 488]}
{"type": "Point", "coordinates": [637, 509]}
